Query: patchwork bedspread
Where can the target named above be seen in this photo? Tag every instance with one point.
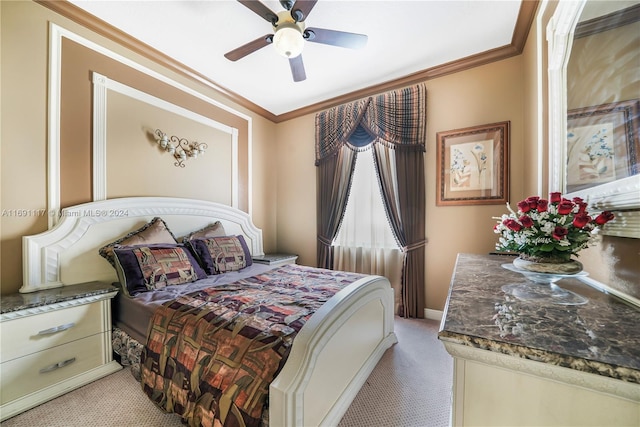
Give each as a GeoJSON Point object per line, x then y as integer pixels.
{"type": "Point", "coordinates": [211, 354]}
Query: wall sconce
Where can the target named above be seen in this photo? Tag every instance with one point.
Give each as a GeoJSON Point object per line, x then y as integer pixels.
{"type": "Point", "coordinates": [181, 148]}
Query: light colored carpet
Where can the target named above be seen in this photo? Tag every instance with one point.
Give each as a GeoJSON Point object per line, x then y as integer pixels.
{"type": "Point", "coordinates": [410, 386]}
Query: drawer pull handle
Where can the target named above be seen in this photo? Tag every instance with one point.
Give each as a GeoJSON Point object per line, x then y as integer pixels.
{"type": "Point", "coordinates": [57, 365]}
{"type": "Point", "coordinates": [57, 329]}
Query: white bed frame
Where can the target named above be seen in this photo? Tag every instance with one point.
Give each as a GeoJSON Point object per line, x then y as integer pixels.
{"type": "Point", "coordinates": [332, 355]}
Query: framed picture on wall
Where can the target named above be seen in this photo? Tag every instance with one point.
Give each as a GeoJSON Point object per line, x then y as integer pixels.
{"type": "Point", "coordinates": [602, 144]}
{"type": "Point", "coordinates": [473, 165]}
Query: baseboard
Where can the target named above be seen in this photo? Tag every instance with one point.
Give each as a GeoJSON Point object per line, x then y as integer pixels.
{"type": "Point", "coordinates": [433, 314]}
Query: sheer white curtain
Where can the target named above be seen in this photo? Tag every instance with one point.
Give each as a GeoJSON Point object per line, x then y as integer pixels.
{"type": "Point", "coordinates": [365, 243]}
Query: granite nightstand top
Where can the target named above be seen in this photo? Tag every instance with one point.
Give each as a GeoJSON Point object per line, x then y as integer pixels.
{"type": "Point", "coordinates": [600, 337]}
{"type": "Point", "coordinates": [16, 302]}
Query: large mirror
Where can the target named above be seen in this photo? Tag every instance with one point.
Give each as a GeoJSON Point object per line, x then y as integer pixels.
{"type": "Point", "coordinates": [594, 81]}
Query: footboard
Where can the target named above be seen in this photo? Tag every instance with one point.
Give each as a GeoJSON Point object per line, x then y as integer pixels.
{"type": "Point", "coordinates": [333, 355]}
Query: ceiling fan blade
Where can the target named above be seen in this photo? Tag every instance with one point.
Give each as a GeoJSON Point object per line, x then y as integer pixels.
{"type": "Point", "coordinates": [261, 10]}
{"type": "Point", "coordinates": [248, 48]}
{"type": "Point", "coordinates": [301, 9]}
{"type": "Point", "coordinates": [297, 69]}
{"type": "Point", "coordinates": [335, 38]}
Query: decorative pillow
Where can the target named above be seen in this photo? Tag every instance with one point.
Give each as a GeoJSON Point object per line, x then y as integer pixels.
{"type": "Point", "coordinates": [145, 268]}
{"type": "Point", "coordinates": [222, 254]}
{"type": "Point", "coordinates": [212, 230]}
{"type": "Point", "coordinates": [153, 232]}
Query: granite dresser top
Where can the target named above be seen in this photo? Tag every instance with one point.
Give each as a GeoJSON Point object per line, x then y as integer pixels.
{"type": "Point", "coordinates": [17, 302]}
{"type": "Point", "coordinates": [601, 336]}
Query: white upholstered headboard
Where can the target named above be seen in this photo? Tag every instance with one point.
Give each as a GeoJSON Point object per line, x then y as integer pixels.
{"type": "Point", "coordinates": [68, 253]}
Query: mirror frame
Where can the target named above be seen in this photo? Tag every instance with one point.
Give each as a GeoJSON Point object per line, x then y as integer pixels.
{"type": "Point", "coordinates": [622, 195]}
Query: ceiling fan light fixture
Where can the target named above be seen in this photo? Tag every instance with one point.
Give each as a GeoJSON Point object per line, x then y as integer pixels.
{"type": "Point", "coordinates": [288, 40]}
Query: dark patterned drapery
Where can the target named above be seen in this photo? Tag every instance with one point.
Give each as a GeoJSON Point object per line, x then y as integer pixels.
{"type": "Point", "coordinates": [395, 123]}
{"type": "Point", "coordinates": [396, 118]}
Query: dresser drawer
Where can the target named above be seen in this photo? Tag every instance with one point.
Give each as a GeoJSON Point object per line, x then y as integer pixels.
{"type": "Point", "coordinates": [36, 371]}
{"type": "Point", "coordinates": [31, 334]}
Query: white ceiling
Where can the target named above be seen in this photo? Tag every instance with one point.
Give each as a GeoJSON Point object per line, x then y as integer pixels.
{"type": "Point", "coordinates": [404, 37]}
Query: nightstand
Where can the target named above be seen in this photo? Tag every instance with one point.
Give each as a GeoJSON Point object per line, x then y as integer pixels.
{"type": "Point", "coordinates": [276, 260]}
{"type": "Point", "coordinates": [53, 341]}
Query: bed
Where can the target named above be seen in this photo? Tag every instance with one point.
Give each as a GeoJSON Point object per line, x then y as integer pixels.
{"type": "Point", "coordinates": [315, 385]}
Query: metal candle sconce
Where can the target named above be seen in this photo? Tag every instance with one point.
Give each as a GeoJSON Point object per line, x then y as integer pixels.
{"type": "Point", "coordinates": [181, 148]}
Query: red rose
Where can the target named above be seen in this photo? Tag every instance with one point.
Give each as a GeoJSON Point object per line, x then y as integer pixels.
{"type": "Point", "coordinates": [581, 219]}
{"type": "Point", "coordinates": [604, 218]}
{"type": "Point", "coordinates": [526, 221]}
{"type": "Point", "coordinates": [512, 224]}
{"type": "Point", "coordinates": [582, 206]}
{"type": "Point", "coordinates": [555, 197]}
{"type": "Point", "coordinates": [578, 200]}
{"type": "Point", "coordinates": [524, 206]}
{"type": "Point", "coordinates": [542, 205]}
{"type": "Point", "coordinates": [533, 201]}
{"type": "Point", "coordinates": [559, 232]}
{"type": "Point", "coordinates": [565, 207]}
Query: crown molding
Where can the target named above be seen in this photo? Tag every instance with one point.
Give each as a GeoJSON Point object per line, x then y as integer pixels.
{"type": "Point", "coordinates": [525, 19]}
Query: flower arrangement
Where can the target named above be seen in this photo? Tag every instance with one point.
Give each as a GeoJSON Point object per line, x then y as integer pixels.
{"type": "Point", "coordinates": [548, 230]}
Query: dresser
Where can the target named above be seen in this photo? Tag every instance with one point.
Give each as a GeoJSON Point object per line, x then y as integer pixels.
{"type": "Point", "coordinates": [53, 341]}
{"type": "Point", "coordinates": [524, 362]}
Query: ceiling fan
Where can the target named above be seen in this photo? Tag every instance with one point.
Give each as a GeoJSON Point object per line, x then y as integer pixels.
{"type": "Point", "coordinates": [290, 34]}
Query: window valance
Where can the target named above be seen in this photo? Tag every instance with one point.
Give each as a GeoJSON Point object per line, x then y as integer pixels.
{"type": "Point", "coordinates": [395, 118]}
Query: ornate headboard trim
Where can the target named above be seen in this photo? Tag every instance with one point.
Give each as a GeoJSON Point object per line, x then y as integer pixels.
{"type": "Point", "coordinates": [42, 268]}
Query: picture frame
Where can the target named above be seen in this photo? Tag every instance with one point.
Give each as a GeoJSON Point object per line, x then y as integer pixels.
{"type": "Point", "coordinates": [602, 144]}
{"type": "Point", "coordinates": [473, 165]}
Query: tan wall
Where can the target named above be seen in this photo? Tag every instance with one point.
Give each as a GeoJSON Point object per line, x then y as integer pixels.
{"type": "Point", "coordinates": [25, 27]}
{"type": "Point", "coordinates": [535, 87]}
{"type": "Point", "coordinates": [486, 94]}
{"type": "Point", "coordinates": [23, 134]}
{"type": "Point", "coordinates": [297, 188]}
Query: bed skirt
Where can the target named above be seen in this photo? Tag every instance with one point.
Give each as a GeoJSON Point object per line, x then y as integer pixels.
{"type": "Point", "coordinates": [127, 351]}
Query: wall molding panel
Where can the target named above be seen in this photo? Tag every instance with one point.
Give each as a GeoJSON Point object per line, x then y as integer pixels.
{"type": "Point", "coordinates": [100, 87]}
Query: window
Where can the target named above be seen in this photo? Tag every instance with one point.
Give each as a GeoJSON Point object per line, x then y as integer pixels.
{"type": "Point", "coordinates": [365, 222]}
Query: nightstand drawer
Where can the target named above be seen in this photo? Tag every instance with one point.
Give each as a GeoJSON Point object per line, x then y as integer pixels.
{"type": "Point", "coordinates": [30, 334]}
{"type": "Point", "coordinates": [36, 371]}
